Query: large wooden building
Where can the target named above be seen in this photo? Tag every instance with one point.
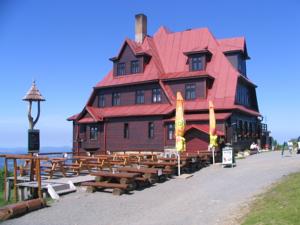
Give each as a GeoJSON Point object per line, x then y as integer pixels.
{"type": "Point", "coordinates": [133, 107]}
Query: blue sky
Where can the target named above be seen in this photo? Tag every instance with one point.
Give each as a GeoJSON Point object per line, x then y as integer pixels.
{"type": "Point", "coordinates": [65, 46]}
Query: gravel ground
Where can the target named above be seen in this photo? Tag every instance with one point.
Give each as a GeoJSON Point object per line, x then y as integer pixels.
{"type": "Point", "coordinates": [214, 195]}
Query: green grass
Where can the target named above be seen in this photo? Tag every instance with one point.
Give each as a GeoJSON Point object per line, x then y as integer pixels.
{"type": "Point", "coordinates": [278, 206]}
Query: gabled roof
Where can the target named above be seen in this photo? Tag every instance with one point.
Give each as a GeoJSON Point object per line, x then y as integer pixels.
{"type": "Point", "coordinates": [168, 51]}
{"type": "Point", "coordinates": [136, 48]}
{"type": "Point", "coordinates": [202, 127]}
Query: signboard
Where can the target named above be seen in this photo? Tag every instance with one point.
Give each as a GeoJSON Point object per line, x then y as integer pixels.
{"type": "Point", "coordinates": [227, 156]}
{"type": "Point", "coordinates": [33, 141]}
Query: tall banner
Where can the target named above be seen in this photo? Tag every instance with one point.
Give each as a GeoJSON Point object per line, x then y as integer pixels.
{"type": "Point", "coordinates": [179, 123]}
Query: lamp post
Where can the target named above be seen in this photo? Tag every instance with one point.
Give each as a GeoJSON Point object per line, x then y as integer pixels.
{"type": "Point", "coordinates": [33, 95]}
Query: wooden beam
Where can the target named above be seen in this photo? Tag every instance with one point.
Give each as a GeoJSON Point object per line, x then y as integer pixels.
{"type": "Point", "coordinates": [15, 181]}
{"type": "Point", "coordinates": [38, 177]}
{"type": "Point", "coordinates": [5, 180]}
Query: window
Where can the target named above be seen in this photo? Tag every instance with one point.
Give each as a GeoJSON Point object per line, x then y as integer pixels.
{"type": "Point", "coordinates": [190, 91]}
{"type": "Point", "coordinates": [156, 95]}
{"type": "Point", "coordinates": [171, 131]}
{"type": "Point", "coordinates": [82, 128]}
{"type": "Point", "coordinates": [135, 66]}
{"type": "Point", "coordinates": [196, 63]}
{"type": "Point", "coordinates": [101, 101]}
{"type": "Point", "coordinates": [139, 97]}
{"type": "Point", "coordinates": [116, 99]}
{"type": "Point", "coordinates": [126, 131]}
{"type": "Point", "coordinates": [121, 69]}
{"type": "Point", "coordinates": [150, 130]}
{"type": "Point", "coordinates": [93, 132]}
{"type": "Point", "coordinates": [243, 95]}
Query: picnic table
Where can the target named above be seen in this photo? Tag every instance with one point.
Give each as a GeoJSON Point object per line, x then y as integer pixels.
{"type": "Point", "coordinates": [150, 175]}
{"type": "Point", "coordinates": [57, 165]}
{"type": "Point", "coordinates": [119, 182]}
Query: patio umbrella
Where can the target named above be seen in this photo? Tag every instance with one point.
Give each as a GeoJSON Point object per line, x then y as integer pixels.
{"type": "Point", "coordinates": [179, 127]}
{"type": "Point", "coordinates": [212, 129]}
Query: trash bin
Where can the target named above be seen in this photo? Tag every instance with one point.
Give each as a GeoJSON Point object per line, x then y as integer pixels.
{"type": "Point", "coordinates": [228, 157]}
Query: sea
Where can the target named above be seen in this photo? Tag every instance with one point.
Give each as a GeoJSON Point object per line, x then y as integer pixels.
{"type": "Point", "coordinates": [22, 150]}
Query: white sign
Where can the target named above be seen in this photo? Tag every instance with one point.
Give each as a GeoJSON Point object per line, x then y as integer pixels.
{"type": "Point", "coordinates": [227, 156]}
{"type": "Point", "coordinates": [159, 172]}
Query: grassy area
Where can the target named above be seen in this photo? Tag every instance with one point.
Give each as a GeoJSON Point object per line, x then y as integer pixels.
{"type": "Point", "coordinates": [279, 206]}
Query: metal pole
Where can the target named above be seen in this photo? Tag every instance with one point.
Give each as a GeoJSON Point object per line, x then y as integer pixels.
{"type": "Point", "coordinates": [213, 155]}
{"type": "Point", "coordinates": [178, 163]}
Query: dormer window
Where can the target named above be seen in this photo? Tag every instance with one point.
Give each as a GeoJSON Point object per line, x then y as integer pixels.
{"type": "Point", "coordinates": [196, 62]}
{"type": "Point", "coordinates": [121, 69]}
{"type": "Point", "coordinates": [135, 66]}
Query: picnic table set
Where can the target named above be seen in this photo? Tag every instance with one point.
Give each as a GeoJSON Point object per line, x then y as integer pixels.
{"type": "Point", "coordinates": [119, 172]}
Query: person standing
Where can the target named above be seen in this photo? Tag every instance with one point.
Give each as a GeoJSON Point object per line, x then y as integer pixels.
{"type": "Point", "coordinates": [290, 147]}
{"type": "Point", "coordinates": [283, 147]}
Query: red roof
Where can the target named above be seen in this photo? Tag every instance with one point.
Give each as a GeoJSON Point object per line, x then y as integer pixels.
{"type": "Point", "coordinates": [203, 117]}
{"type": "Point", "coordinates": [202, 127]}
{"type": "Point", "coordinates": [168, 61]}
{"type": "Point", "coordinates": [87, 120]}
{"type": "Point", "coordinates": [232, 44]}
{"type": "Point", "coordinates": [131, 110]}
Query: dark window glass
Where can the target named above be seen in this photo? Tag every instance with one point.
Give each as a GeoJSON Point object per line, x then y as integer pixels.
{"type": "Point", "coordinates": [190, 91]}
{"type": "Point", "coordinates": [93, 132]}
{"type": "Point", "coordinates": [126, 130]}
{"type": "Point", "coordinates": [151, 130]}
{"type": "Point", "coordinates": [196, 63]}
{"type": "Point", "coordinates": [135, 66]}
{"type": "Point", "coordinates": [156, 95]}
{"type": "Point", "coordinates": [116, 98]}
{"type": "Point", "coordinates": [243, 95]}
{"type": "Point", "coordinates": [82, 128]}
{"type": "Point", "coordinates": [139, 97]}
{"type": "Point", "coordinates": [171, 131]}
{"type": "Point", "coordinates": [121, 69]}
{"type": "Point", "coordinates": [101, 102]}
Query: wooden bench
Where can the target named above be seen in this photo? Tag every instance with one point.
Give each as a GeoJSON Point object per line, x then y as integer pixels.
{"type": "Point", "coordinates": [151, 175]}
{"type": "Point", "coordinates": [118, 189]}
{"type": "Point", "coordinates": [122, 178]}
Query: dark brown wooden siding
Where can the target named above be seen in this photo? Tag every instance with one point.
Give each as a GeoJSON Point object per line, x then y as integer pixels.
{"type": "Point", "coordinates": [127, 94]}
{"type": "Point", "coordinates": [138, 134]}
{"type": "Point", "coordinates": [126, 57]}
{"type": "Point", "coordinates": [179, 85]}
{"type": "Point", "coordinates": [196, 140]}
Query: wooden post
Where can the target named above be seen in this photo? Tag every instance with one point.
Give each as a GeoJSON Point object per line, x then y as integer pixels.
{"type": "Point", "coordinates": [38, 177]}
{"type": "Point", "coordinates": [5, 179]}
{"type": "Point", "coordinates": [15, 181]}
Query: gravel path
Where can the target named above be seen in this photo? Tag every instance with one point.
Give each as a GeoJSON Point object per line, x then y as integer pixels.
{"type": "Point", "coordinates": [210, 197]}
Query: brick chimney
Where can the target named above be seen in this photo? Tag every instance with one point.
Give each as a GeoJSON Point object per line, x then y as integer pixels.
{"type": "Point", "coordinates": [140, 27]}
